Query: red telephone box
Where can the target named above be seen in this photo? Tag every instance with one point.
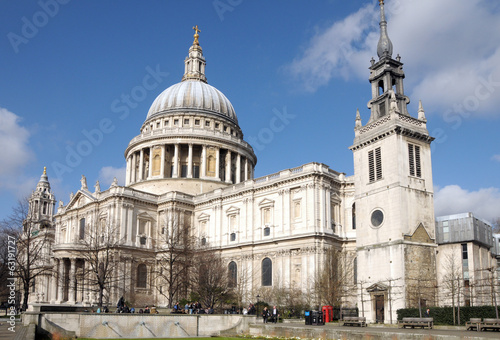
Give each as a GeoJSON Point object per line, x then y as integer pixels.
{"type": "Point", "coordinates": [327, 313]}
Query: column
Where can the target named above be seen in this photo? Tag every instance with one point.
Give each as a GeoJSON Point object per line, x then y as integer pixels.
{"type": "Point", "coordinates": [203, 163]}
{"type": "Point", "coordinates": [71, 288]}
{"type": "Point", "coordinates": [246, 168]}
{"type": "Point", "coordinates": [190, 161]}
{"type": "Point", "coordinates": [238, 168]}
{"type": "Point", "coordinates": [134, 170]}
{"type": "Point", "coordinates": [141, 165]}
{"type": "Point", "coordinates": [123, 220]}
{"type": "Point", "coordinates": [150, 162]}
{"type": "Point", "coordinates": [228, 166]}
{"type": "Point", "coordinates": [162, 165]}
{"type": "Point", "coordinates": [60, 280]}
{"type": "Point", "coordinates": [175, 173]}
{"type": "Point", "coordinates": [217, 163]}
{"type": "Point", "coordinates": [129, 223]}
{"type": "Point", "coordinates": [127, 175]}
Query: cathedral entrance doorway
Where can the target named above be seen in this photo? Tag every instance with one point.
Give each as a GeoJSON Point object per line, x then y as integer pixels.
{"type": "Point", "coordinates": [379, 308]}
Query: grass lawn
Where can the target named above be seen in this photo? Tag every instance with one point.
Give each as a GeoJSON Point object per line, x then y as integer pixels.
{"type": "Point", "coordinates": [208, 338]}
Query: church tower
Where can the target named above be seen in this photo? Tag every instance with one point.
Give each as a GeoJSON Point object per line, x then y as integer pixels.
{"type": "Point", "coordinates": [42, 204]}
{"type": "Point", "coordinates": [394, 205]}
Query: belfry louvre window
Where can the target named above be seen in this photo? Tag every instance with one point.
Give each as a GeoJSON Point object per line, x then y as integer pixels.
{"type": "Point", "coordinates": [375, 164]}
{"type": "Point", "coordinates": [414, 159]}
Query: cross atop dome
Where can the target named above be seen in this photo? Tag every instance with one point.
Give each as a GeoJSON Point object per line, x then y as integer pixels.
{"type": "Point", "coordinates": [195, 63]}
{"type": "Point", "coordinates": [196, 35]}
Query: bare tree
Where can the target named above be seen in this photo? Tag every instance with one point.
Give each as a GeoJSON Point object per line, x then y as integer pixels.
{"type": "Point", "coordinates": [175, 250]}
{"type": "Point", "coordinates": [420, 291]}
{"type": "Point", "coordinates": [240, 286]}
{"type": "Point", "coordinates": [451, 280]}
{"type": "Point", "coordinates": [99, 250]}
{"type": "Point", "coordinates": [334, 284]}
{"type": "Point", "coordinates": [34, 239]}
{"type": "Point", "coordinates": [362, 286]}
{"type": "Point", "coordinates": [393, 293]}
{"type": "Point", "coordinates": [489, 286]}
{"type": "Point", "coordinates": [496, 225]}
{"type": "Point", "coordinates": [210, 278]}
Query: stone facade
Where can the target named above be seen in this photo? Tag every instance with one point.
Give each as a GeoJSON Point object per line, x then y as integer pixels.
{"type": "Point", "coordinates": [190, 166]}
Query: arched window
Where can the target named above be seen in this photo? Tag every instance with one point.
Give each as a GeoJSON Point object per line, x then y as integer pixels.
{"type": "Point", "coordinates": [232, 269]}
{"type": "Point", "coordinates": [267, 231]}
{"type": "Point", "coordinates": [233, 237]}
{"type": "Point", "coordinates": [267, 272]}
{"type": "Point", "coordinates": [142, 275]}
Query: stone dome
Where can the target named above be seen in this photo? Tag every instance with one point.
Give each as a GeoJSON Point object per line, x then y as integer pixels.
{"type": "Point", "coordinates": [193, 95]}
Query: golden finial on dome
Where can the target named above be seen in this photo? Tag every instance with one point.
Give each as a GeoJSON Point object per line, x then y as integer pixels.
{"type": "Point", "coordinates": [381, 2]}
{"type": "Point", "coordinates": [44, 170]}
{"type": "Point", "coordinates": [196, 35]}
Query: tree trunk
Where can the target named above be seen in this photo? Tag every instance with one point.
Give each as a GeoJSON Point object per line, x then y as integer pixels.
{"type": "Point", "coordinates": [26, 296]}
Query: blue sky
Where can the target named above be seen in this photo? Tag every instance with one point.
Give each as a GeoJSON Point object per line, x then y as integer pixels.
{"type": "Point", "coordinates": [68, 67]}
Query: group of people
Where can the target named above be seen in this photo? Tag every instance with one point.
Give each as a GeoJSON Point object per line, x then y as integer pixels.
{"type": "Point", "coordinates": [121, 307]}
{"type": "Point", "coordinates": [270, 315]}
{"type": "Point", "coordinates": [192, 308]}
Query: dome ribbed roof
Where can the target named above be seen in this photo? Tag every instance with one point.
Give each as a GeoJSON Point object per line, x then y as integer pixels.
{"type": "Point", "coordinates": [193, 95]}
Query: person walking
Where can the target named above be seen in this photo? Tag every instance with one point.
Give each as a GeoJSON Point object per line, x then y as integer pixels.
{"type": "Point", "coordinates": [274, 315]}
{"type": "Point", "coordinates": [265, 315]}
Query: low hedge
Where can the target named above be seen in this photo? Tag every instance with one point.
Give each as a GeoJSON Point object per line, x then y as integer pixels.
{"type": "Point", "coordinates": [444, 315]}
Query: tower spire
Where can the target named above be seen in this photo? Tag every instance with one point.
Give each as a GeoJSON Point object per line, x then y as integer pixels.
{"type": "Point", "coordinates": [195, 62]}
{"type": "Point", "coordinates": [384, 47]}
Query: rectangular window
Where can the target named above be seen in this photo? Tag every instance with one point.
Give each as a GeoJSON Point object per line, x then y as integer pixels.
{"type": "Point", "coordinates": [266, 216]}
{"type": "Point", "coordinates": [186, 121]}
{"type": "Point", "coordinates": [176, 122]}
{"type": "Point", "coordinates": [82, 228]}
{"type": "Point", "coordinates": [207, 123]}
{"type": "Point", "coordinates": [184, 170]}
{"type": "Point", "coordinates": [375, 164]}
{"type": "Point", "coordinates": [414, 160]}
{"type": "Point", "coordinates": [196, 171]}
{"type": "Point", "coordinates": [196, 122]}
{"type": "Point", "coordinates": [464, 252]}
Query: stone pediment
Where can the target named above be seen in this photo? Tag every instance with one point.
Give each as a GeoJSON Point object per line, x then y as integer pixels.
{"type": "Point", "coordinates": [203, 217]}
{"type": "Point", "coordinates": [377, 287]}
{"type": "Point", "coordinates": [232, 210]}
{"type": "Point", "coordinates": [81, 198]}
{"type": "Point", "coordinates": [144, 215]}
{"type": "Point", "coordinates": [266, 202]}
{"type": "Point", "coordinates": [419, 235]}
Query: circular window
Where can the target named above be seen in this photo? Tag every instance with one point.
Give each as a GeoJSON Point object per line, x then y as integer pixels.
{"type": "Point", "coordinates": [377, 218]}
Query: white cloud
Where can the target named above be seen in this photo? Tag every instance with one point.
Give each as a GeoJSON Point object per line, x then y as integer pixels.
{"type": "Point", "coordinates": [451, 52]}
{"type": "Point", "coordinates": [496, 158]}
{"type": "Point", "coordinates": [14, 151]}
{"type": "Point", "coordinates": [108, 173]}
{"type": "Point", "coordinates": [452, 199]}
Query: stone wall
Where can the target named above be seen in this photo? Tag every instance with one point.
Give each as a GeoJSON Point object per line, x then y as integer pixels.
{"type": "Point", "coordinates": [138, 325]}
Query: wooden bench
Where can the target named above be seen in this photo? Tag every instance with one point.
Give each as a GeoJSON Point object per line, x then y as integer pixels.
{"type": "Point", "coordinates": [490, 324]}
{"type": "Point", "coordinates": [416, 322]}
{"type": "Point", "coordinates": [474, 324]}
{"type": "Point", "coordinates": [354, 321]}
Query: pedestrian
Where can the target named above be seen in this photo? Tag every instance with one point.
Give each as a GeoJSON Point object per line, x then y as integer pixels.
{"type": "Point", "coordinates": [265, 315]}
{"type": "Point", "coordinates": [427, 313]}
{"type": "Point", "coordinates": [275, 314]}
